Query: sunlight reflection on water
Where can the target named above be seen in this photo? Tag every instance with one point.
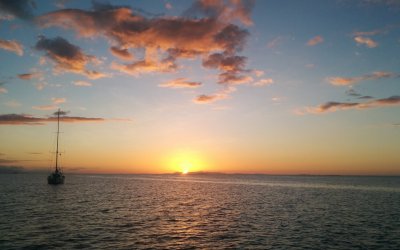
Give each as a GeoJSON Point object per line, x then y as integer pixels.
{"type": "Point", "coordinates": [206, 212]}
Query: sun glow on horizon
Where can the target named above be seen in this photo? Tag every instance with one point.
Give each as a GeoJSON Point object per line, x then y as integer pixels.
{"type": "Point", "coordinates": [186, 161]}
{"type": "Point", "coordinates": [186, 166]}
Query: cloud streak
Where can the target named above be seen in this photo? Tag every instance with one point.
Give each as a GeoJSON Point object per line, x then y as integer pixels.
{"type": "Point", "coordinates": [345, 81]}
{"type": "Point", "coordinates": [219, 95]}
{"type": "Point", "coordinates": [55, 101]}
{"type": "Point", "coordinates": [82, 84]}
{"type": "Point", "coordinates": [29, 76]}
{"type": "Point", "coordinates": [180, 83]}
{"type": "Point", "coordinates": [13, 46]}
{"type": "Point", "coordinates": [366, 41]}
{"type": "Point", "coordinates": [336, 106]}
{"type": "Point", "coordinates": [23, 119]}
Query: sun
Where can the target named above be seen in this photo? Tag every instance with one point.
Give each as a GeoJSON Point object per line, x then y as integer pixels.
{"type": "Point", "coordinates": [185, 166]}
{"type": "Point", "coordinates": [185, 162]}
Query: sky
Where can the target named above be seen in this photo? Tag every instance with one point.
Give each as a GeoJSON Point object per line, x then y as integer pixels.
{"type": "Point", "coordinates": [235, 86]}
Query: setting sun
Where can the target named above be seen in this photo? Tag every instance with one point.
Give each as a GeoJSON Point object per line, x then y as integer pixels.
{"type": "Point", "coordinates": [185, 161]}
{"type": "Point", "coordinates": [186, 166]}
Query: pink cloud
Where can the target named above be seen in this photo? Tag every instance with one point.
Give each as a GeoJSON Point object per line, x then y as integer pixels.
{"type": "Point", "coordinates": [13, 46]}
{"type": "Point", "coordinates": [315, 40]}
{"type": "Point", "coordinates": [366, 41]}
{"type": "Point", "coordinates": [3, 90]}
{"type": "Point", "coordinates": [168, 6]}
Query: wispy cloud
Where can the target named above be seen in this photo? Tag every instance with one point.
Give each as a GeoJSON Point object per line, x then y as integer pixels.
{"type": "Point", "coordinates": [13, 104]}
{"type": "Point", "coordinates": [315, 40]}
{"type": "Point", "coordinates": [274, 43]}
{"type": "Point", "coordinates": [168, 6]}
{"type": "Point", "coordinates": [258, 73]}
{"type": "Point", "coordinates": [344, 81]}
{"type": "Point", "coordinates": [54, 105]}
{"type": "Point", "coordinates": [335, 106]}
{"type": "Point", "coordinates": [67, 57]}
{"type": "Point", "coordinates": [351, 92]}
{"type": "Point", "coordinates": [45, 107]}
{"type": "Point", "coordinates": [219, 95]}
{"type": "Point", "coordinates": [23, 119]}
{"type": "Point", "coordinates": [58, 100]}
{"type": "Point", "coordinates": [82, 84]}
{"type": "Point", "coordinates": [366, 41]}
{"type": "Point", "coordinates": [29, 76]}
{"type": "Point", "coordinates": [180, 83]}
{"type": "Point", "coordinates": [264, 82]}
{"type": "Point", "coordinates": [370, 32]}
{"type": "Point", "coordinates": [13, 46]}
{"type": "Point", "coordinates": [145, 66]}
{"type": "Point", "coordinates": [3, 90]}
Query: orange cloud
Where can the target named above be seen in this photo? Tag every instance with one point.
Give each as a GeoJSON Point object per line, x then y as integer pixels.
{"type": "Point", "coordinates": [167, 39]}
{"type": "Point", "coordinates": [67, 57]}
{"type": "Point", "coordinates": [366, 41]}
{"type": "Point", "coordinates": [13, 46]}
{"type": "Point", "coordinates": [58, 100]}
{"type": "Point", "coordinates": [145, 66]}
{"type": "Point", "coordinates": [180, 83]}
{"type": "Point", "coordinates": [52, 106]}
{"type": "Point", "coordinates": [344, 81]}
{"type": "Point", "coordinates": [219, 95]}
{"type": "Point", "coordinates": [315, 40]}
{"type": "Point", "coordinates": [335, 106]}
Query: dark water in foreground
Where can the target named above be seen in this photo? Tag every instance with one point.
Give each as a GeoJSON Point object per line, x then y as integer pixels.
{"type": "Point", "coordinates": [199, 212]}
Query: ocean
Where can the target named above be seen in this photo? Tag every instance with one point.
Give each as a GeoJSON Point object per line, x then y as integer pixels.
{"type": "Point", "coordinates": [199, 212]}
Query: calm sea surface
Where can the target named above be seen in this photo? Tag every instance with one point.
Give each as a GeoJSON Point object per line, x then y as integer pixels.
{"type": "Point", "coordinates": [199, 212]}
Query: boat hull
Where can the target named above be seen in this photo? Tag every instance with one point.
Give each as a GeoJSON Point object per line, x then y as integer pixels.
{"type": "Point", "coordinates": [55, 178]}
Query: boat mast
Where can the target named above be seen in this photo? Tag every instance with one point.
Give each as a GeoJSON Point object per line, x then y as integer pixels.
{"type": "Point", "coordinates": [58, 132]}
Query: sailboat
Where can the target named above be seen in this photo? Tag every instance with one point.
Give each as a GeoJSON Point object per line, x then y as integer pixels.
{"type": "Point", "coordinates": [56, 177]}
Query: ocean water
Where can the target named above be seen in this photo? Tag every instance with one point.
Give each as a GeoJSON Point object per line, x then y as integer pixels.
{"type": "Point", "coordinates": [199, 212]}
